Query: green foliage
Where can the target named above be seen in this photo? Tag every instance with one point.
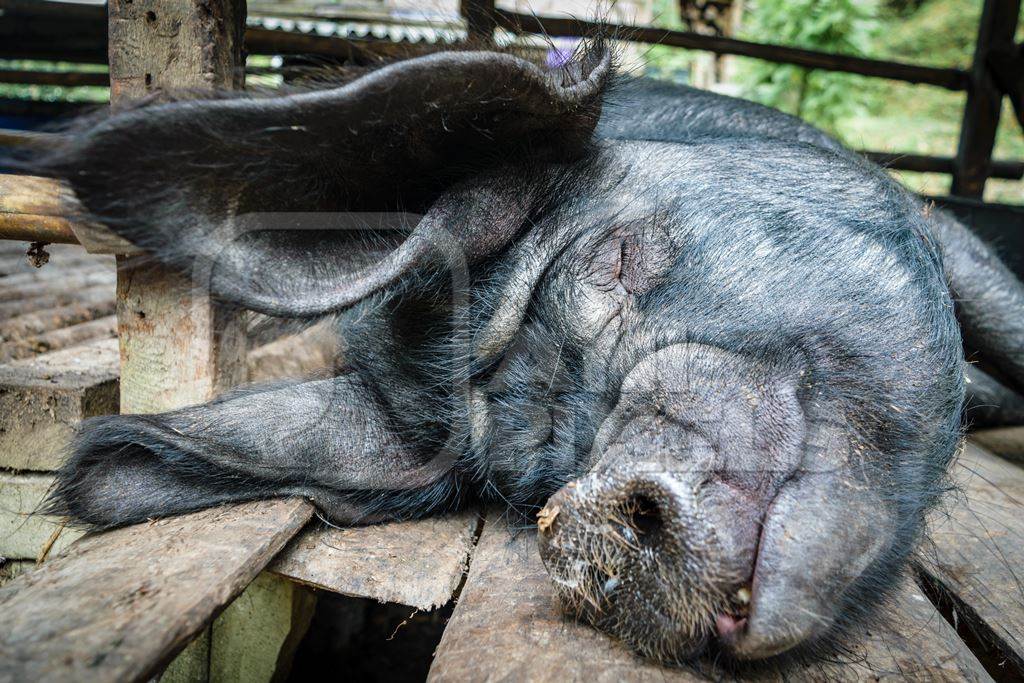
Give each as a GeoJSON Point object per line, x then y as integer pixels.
{"type": "Point", "coordinates": [835, 26]}
{"type": "Point", "coordinates": [668, 63]}
{"type": "Point", "coordinates": [938, 33]}
{"type": "Point", "coordinates": [52, 93]}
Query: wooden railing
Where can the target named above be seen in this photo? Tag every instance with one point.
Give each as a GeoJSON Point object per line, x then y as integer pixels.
{"type": "Point", "coordinates": [997, 68]}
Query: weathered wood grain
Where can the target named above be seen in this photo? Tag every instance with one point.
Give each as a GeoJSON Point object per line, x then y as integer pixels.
{"type": "Point", "coordinates": [35, 209]}
{"type": "Point", "coordinates": [43, 398]}
{"type": "Point", "coordinates": [40, 322]}
{"type": "Point", "coordinates": [67, 297]}
{"type": "Point", "coordinates": [118, 605]}
{"type": "Point", "coordinates": [507, 627]}
{"type": "Point", "coordinates": [177, 347]}
{"type": "Point", "coordinates": [67, 279]}
{"type": "Point", "coordinates": [295, 355]}
{"type": "Point", "coordinates": [55, 340]}
{"type": "Point", "coordinates": [1005, 441]}
{"type": "Point", "coordinates": [977, 552]}
{"type": "Point", "coordinates": [25, 535]}
{"type": "Point", "coordinates": [26, 277]}
{"type": "Point", "coordinates": [33, 195]}
{"type": "Point", "coordinates": [418, 563]}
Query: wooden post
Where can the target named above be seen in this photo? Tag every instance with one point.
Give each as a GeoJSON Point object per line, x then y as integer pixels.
{"type": "Point", "coordinates": [480, 19]}
{"type": "Point", "coordinates": [984, 99]}
{"type": "Point", "coordinates": [177, 348]}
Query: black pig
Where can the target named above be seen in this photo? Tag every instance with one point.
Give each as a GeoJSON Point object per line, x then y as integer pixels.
{"type": "Point", "coordinates": [722, 349]}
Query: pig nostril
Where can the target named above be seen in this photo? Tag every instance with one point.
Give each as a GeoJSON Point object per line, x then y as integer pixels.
{"type": "Point", "coordinates": [644, 516]}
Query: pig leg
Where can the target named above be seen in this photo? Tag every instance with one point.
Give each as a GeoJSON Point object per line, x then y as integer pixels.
{"type": "Point", "coordinates": [989, 298]}
{"type": "Point", "coordinates": [328, 440]}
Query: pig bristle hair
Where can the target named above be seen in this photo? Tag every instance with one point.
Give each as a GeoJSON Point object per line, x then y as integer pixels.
{"type": "Point", "coordinates": [876, 335]}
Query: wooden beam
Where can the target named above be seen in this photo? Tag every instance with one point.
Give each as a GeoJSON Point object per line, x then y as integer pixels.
{"type": "Point", "coordinates": [67, 79]}
{"type": "Point", "coordinates": [923, 163]}
{"type": "Point", "coordinates": [34, 209]}
{"type": "Point", "coordinates": [984, 100]}
{"type": "Point", "coordinates": [418, 563]}
{"type": "Point", "coordinates": [506, 626]}
{"type": "Point", "coordinates": [951, 79]}
{"type": "Point", "coordinates": [1007, 64]}
{"type": "Point", "coordinates": [976, 551]}
{"type": "Point", "coordinates": [118, 606]}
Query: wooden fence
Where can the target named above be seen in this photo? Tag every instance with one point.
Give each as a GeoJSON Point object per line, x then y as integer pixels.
{"type": "Point", "coordinates": [997, 68]}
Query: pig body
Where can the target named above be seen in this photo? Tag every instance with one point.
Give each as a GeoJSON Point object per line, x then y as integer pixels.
{"type": "Point", "coordinates": [720, 348]}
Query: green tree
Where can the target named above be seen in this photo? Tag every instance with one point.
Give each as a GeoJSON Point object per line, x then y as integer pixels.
{"type": "Point", "coordinates": [836, 26]}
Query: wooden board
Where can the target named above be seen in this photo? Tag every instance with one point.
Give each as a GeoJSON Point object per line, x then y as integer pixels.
{"type": "Point", "coordinates": [25, 535]}
{"type": "Point", "coordinates": [118, 605]}
{"type": "Point", "coordinates": [418, 563]}
{"type": "Point", "coordinates": [977, 551]}
{"type": "Point", "coordinates": [507, 627]}
{"type": "Point", "coordinates": [42, 399]}
{"type": "Point", "coordinates": [295, 355]}
{"type": "Point", "coordinates": [55, 340]}
{"type": "Point", "coordinates": [1005, 441]}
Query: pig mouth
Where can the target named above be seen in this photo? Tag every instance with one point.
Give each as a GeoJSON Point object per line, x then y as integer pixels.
{"type": "Point", "coordinates": [646, 560]}
{"type": "Point", "coordinates": [642, 569]}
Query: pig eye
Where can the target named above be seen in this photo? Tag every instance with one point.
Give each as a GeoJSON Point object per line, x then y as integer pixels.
{"type": "Point", "coordinates": [629, 262]}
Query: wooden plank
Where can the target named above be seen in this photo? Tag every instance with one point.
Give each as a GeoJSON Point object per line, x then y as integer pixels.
{"type": "Point", "coordinates": [67, 297]}
{"type": "Point", "coordinates": [34, 195]}
{"type": "Point", "coordinates": [43, 398]}
{"type": "Point", "coordinates": [976, 556]}
{"type": "Point", "coordinates": [73, 277]}
{"type": "Point", "coordinates": [296, 355]}
{"type": "Point", "coordinates": [56, 340]}
{"type": "Point", "coordinates": [36, 209]}
{"type": "Point", "coordinates": [118, 605]}
{"type": "Point", "coordinates": [951, 79]}
{"type": "Point", "coordinates": [260, 631]}
{"type": "Point", "coordinates": [506, 626]}
{"type": "Point", "coordinates": [1005, 441]}
{"type": "Point", "coordinates": [39, 322]}
{"type": "Point", "coordinates": [984, 100]}
{"type": "Point", "coordinates": [24, 534]}
{"type": "Point", "coordinates": [924, 163]}
{"type": "Point", "coordinates": [418, 563]}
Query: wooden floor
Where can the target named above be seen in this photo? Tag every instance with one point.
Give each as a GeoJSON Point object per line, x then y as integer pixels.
{"type": "Point", "coordinates": [120, 605]}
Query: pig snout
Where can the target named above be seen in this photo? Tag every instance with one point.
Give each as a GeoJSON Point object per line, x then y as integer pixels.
{"type": "Point", "coordinates": [728, 517]}
{"type": "Point", "coordinates": [673, 567]}
{"type": "Point", "coordinates": [634, 555]}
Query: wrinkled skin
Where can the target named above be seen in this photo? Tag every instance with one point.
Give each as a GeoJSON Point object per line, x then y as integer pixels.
{"type": "Point", "coordinates": [718, 349]}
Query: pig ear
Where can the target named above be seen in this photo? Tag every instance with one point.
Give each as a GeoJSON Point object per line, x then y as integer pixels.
{"type": "Point", "coordinates": [225, 186]}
